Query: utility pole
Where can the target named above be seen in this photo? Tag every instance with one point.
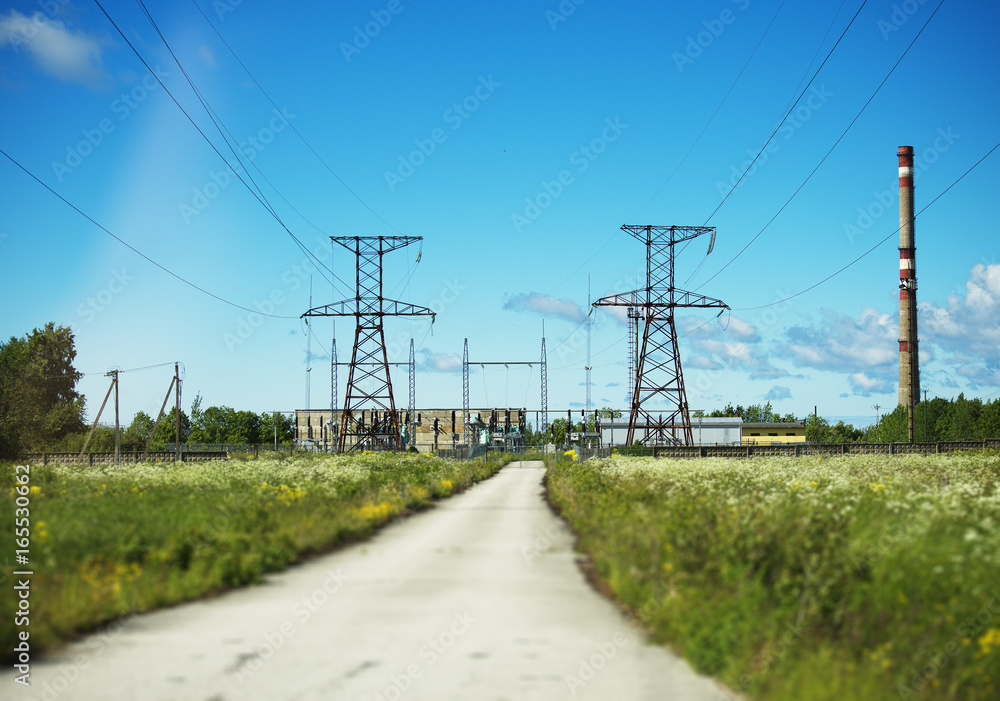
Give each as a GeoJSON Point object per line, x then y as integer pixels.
{"type": "Point", "coordinates": [118, 442]}
{"type": "Point", "coordinates": [658, 375]}
{"type": "Point", "coordinates": [177, 412]}
{"type": "Point", "coordinates": [114, 384]}
{"type": "Point", "coordinates": [876, 408]}
{"type": "Point", "coordinates": [925, 415]}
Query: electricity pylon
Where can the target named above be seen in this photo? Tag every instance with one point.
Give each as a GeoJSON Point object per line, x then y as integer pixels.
{"type": "Point", "coordinates": [658, 377]}
{"type": "Point", "coordinates": [368, 383]}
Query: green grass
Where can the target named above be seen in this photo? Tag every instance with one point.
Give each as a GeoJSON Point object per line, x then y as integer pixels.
{"type": "Point", "coordinates": [109, 541]}
{"type": "Point", "coordinates": [841, 578]}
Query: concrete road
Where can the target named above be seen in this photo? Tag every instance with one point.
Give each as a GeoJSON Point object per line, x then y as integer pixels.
{"type": "Point", "coordinates": [478, 598]}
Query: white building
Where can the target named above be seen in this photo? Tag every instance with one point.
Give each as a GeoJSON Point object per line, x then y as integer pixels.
{"type": "Point", "coordinates": [705, 431]}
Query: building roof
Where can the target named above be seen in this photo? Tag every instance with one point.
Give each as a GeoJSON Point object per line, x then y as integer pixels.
{"type": "Point", "coordinates": [780, 424]}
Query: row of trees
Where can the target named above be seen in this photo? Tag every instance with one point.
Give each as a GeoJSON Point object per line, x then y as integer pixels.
{"type": "Point", "coordinates": [938, 419]}
{"type": "Point", "coordinates": [215, 424]}
{"type": "Point", "coordinates": [40, 409]}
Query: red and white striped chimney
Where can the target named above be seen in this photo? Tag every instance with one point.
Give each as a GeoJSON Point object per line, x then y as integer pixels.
{"type": "Point", "coordinates": [909, 370]}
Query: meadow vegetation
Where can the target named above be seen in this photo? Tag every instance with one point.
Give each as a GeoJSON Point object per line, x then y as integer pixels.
{"type": "Point", "coordinates": [109, 541]}
{"type": "Point", "coordinates": [854, 577]}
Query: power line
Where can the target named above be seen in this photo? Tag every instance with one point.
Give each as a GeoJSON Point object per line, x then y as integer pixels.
{"type": "Point", "coordinates": [223, 131]}
{"type": "Point", "coordinates": [787, 112]}
{"type": "Point", "coordinates": [825, 156]}
{"type": "Point", "coordinates": [257, 196]}
{"type": "Point", "coordinates": [134, 249]}
{"type": "Point", "coordinates": [791, 102]}
{"type": "Point", "coordinates": [811, 287]}
{"type": "Point", "coordinates": [714, 114]}
{"type": "Point", "coordinates": [297, 133]}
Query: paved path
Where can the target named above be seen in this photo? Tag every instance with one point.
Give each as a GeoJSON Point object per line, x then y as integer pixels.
{"type": "Point", "coordinates": [478, 598]}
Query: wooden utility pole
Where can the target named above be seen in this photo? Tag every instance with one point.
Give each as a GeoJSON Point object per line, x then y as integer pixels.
{"type": "Point", "coordinates": [159, 416]}
{"type": "Point", "coordinates": [99, 412]}
{"type": "Point", "coordinates": [118, 439]}
{"type": "Point", "coordinates": [177, 412]}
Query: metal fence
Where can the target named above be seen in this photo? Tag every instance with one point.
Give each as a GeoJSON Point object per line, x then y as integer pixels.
{"type": "Point", "coordinates": [794, 449]}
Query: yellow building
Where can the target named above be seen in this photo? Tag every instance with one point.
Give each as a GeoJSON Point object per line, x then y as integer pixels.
{"type": "Point", "coordinates": [781, 432]}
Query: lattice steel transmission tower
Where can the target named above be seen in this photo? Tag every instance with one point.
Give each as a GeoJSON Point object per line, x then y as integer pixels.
{"type": "Point", "coordinates": [333, 391]}
{"type": "Point", "coordinates": [545, 387]}
{"type": "Point", "coordinates": [465, 396]}
{"type": "Point", "coordinates": [368, 383]}
{"type": "Point", "coordinates": [411, 418]}
{"type": "Point", "coordinates": [658, 376]}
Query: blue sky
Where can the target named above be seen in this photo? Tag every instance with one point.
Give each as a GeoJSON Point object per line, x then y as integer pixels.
{"type": "Point", "coordinates": [515, 139]}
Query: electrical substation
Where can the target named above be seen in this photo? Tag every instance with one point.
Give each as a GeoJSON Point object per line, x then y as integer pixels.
{"type": "Point", "coordinates": [659, 414]}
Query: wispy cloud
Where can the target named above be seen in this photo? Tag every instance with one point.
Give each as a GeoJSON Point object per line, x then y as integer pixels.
{"type": "Point", "coordinates": [778, 392]}
{"type": "Point", "coordinates": [440, 362]}
{"type": "Point", "coordinates": [70, 56]}
{"type": "Point", "coordinates": [546, 305]}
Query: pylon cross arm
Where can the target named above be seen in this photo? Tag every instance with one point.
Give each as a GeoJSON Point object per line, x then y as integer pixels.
{"type": "Point", "coordinates": [370, 306]}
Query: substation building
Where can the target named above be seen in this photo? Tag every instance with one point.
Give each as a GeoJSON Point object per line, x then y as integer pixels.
{"type": "Point", "coordinates": [432, 429]}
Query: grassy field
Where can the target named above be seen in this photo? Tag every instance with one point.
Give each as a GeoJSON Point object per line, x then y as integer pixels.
{"type": "Point", "coordinates": [841, 578]}
{"type": "Point", "coordinates": [107, 541]}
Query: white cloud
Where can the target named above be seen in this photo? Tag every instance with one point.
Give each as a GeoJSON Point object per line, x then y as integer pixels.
{"type": "Point", "coordinates": [70, 56]}
{"type": "Point", "coordinates": [970, 324]}
{"type": "Point", "coordinates": [844, 344]}
{"type": "Point", "coordinates": [546, 305]}
{"type": "Point", "coordinates": [865, 385]}
{"type": "Point", "coordinates": [440, 362]}
{"type": "Point", "coordinates": [778, 392]}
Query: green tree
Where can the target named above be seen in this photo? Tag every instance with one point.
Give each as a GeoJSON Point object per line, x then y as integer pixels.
{"type": "Point", "coordinates": [988, 425]}
{"type": "Point", "coordinates": [167, 430]}
{"type": "Point", "coordinates": [280, 425]}
{"type": "Point", "coordinates": [137, 435]}
{"type": "Point", "coordinates": [39, 403]}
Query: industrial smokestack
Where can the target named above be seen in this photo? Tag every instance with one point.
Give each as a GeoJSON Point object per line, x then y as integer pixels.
{"type": "Point", "coordinates": [909, 369]}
